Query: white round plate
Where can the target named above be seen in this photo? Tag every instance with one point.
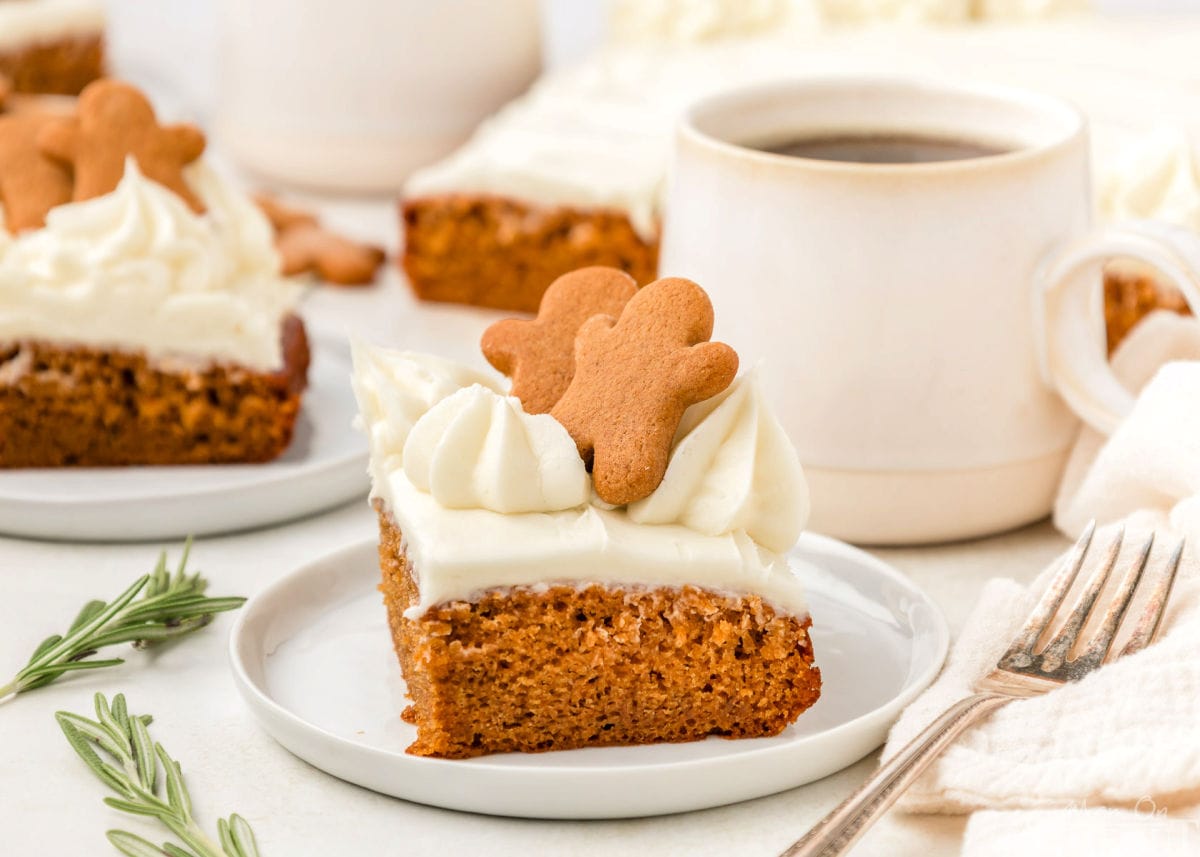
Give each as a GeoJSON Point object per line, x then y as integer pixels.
{"type": "Point", "coordinates": [325, 466]}
{"type": "Point", "coordinates": [313, 658]}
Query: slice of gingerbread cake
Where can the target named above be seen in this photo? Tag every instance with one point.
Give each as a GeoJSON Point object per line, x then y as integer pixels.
{"type": "Point", "coordinates": [566, 176]}
{"type": "Point", "coordinates": [598, 556]}
{"type": "Point", "coordinates": [143, 317]}
{"type": "Point", "coordinates": [51, 46]}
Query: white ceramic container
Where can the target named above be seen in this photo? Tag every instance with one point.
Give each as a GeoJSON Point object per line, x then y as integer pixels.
{"type": "Point", "coordinates": [355, 94]}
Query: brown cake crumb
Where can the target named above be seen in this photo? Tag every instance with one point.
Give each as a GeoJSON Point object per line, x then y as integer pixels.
{"type": "Point", "coordinates": [525, 670]}
{"type": "Point", "coordinates": [66, 406]}
{"type": "Point", "coordinates": [59, 67]}
{"type": "Point", "coordinates": [1131, 294]}
{"type": "Point", "coordinates": [497, 252]}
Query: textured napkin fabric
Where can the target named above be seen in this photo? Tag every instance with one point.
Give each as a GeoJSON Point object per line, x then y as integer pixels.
{"type": "Point", "coordinates": [1110, 764]}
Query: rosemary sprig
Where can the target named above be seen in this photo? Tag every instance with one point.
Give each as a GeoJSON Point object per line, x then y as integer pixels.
{"type": "Point", "coordinates": [171, 606]}
{"type": "Point", "coordinates": [133, 772]}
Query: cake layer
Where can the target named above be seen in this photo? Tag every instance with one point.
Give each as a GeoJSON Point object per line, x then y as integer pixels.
{"type": "Point", "coordinates": [1130, 294]}
{"type": "Point", "coordinates": [69, 405]}
{"type": "Point", "coordinates": [555, 667]}
{"type": "Point", "coordinates": [60, 67]}
{"type": "Point", "coordinates": [491, 251]}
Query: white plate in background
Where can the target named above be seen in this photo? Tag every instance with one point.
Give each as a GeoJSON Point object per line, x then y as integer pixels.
{"type": "Point", "coordinates": [325, 466]}
{"type": "Point", "coordinates": [312, 657]}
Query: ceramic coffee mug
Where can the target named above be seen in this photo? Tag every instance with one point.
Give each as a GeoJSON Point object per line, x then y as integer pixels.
{"type": "Point", "coordinates": [923, 327]}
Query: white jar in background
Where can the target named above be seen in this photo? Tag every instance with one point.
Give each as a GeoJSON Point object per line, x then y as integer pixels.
{"type": "Point", "coordinates": [353, 95]}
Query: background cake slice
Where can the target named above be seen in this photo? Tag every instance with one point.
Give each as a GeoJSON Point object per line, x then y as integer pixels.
{"type": "Point", "coordinates": [136, 330]}
{"type": "Point", "coordinates": [51, 46]}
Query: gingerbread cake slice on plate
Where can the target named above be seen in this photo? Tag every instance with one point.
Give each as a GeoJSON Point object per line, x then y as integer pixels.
{"type": "Point", "coordinates": [597, 557]}
{"type": "Point", "coordinates": [143, 318]}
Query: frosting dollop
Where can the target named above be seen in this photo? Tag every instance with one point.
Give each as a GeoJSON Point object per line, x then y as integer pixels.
{"type": "Point", "coordinates": [901, 11]}
{"type": "Point", "coordinates": [476, 449]}
{"type": "Point", "coordinates": [1158, 177]}
{"type": "Point", "coordinates": [396, 388]}
{"type": "Point", "coordinates": [137, 269]}
{"type": "Point", "coordinates": [732, 468]}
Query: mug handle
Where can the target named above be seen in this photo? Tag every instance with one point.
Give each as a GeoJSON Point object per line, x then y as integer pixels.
{"type": "Point", "coordinates": [1069, 311]}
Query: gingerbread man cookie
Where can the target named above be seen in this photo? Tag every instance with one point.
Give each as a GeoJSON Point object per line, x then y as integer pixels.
{"type": "Point", "coordinates": [334, 258]}
{"type": "Point", "coordinates": [283, 216]}
{"type": "Point", "coordinates": [113, 121]}
{"type": "Point", "coordinates": [539, 354]}
{"type": "Point", "coordinates": [30, 183]}
{"type": "Point", "coordinates": [634, 378]}
{"type": "Point", "coordinates": [305, 245]}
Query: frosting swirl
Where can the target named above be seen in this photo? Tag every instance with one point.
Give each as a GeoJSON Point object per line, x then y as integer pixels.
{"type": "Point", "coordinates": [476, 449]}
{"type": "Point", "coordinates": [1158, 177]}
{"type": "Point", "coordinates": [136, 268]}
{"type": "Point", "coordinates": [732, 468]}
{"type": "Point", "coordinates": [396, 388]}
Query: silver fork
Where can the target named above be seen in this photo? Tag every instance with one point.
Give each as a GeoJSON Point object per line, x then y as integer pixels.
{"type": "Point", "coordinates": [1024, 670]}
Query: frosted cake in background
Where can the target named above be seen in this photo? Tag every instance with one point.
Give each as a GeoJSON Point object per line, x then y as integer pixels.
{"type": "Point", "coordinates": [143, 318]}
{"type": "Point", "coordinates": [51, 46]}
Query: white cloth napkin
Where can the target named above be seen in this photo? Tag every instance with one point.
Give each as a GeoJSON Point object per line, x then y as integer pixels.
{"type": "Point", "coordinates": [1113, 759]}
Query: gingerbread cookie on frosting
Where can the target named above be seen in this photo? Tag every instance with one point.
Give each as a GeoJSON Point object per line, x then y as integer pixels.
{"type": "Point", "coordinates": [539, 354]}
{"type": "Point", "coordinates": [114, 121]}
{"type": "Point", "coordinates": [30, 183]}
{"type": "Point", "coordinates": [634, 377]}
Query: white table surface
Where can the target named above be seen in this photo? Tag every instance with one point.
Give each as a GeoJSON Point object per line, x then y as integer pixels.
{"type": "Point", "coordinates": [50, 804]}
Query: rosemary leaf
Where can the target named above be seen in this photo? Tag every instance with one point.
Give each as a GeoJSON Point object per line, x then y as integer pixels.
{"type": "Point", "coordinates": [140, 791]}
{"type": "Point", "coordinates": [243, 837]}
{"type": "Point", "coordinates": [45, 646]}
{"type": "Point", "coordinates": [133, 846]}
{"type": "Point", "coordinates": [171, 605]}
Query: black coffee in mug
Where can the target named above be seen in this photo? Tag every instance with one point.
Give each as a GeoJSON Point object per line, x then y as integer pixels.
{"type": "Point", "coordinates": [882, 148]}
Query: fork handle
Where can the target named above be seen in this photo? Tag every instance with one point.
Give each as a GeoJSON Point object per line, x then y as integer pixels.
{"type": "Point", "coordinates": [841, 828]}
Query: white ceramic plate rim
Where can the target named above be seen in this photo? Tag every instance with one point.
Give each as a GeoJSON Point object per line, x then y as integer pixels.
{"type": "Point", "coordinates": [272, 713]}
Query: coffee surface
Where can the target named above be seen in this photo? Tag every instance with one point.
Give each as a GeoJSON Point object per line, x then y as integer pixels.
{"type": "Point", "coordinates": [882, 148]}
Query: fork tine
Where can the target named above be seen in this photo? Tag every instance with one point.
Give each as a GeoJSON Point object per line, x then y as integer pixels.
{"type": "Point", "coordinates": [1118, 605]}
{"type": "Point", "coordinates": [1056, 651]}
{"type": "Point", "coordinates": [1020, 653]}
{"type": "Point", "coordinates": [1151, 619]}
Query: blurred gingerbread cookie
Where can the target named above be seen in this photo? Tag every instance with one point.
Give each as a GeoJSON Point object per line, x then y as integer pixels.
{"type": "Point", "coordinates": [306, 246]}
{"type": "Point", "coordinates": [539, 354]}
{"type": "Point", "coordinates": [114, 120]}
{"type": "Point", "coordinates": [634, 377]}
{"type": "Point", "coordinates": [30, 183]}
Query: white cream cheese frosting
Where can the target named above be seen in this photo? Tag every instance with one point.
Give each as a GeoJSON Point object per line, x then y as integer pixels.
{"type": "Point", "coordinates": [136, 269]}
{"type": "Point", "coordinates": [895, 11]}
{"type": "Point", "coordinates": [27, 22]}
{"type": "Point", "coordinates": [459, 545]}
{"type": "Point", "coordinates": [683, 21]}
{"type": "Point", "coordinates": [477, 449]}
{"type": "Point", "coordinates": [732, 467]}
{"type": "Point", "coordinates": [396, 388]}
{"type": "Point", "coordinates": [1157, 176]}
